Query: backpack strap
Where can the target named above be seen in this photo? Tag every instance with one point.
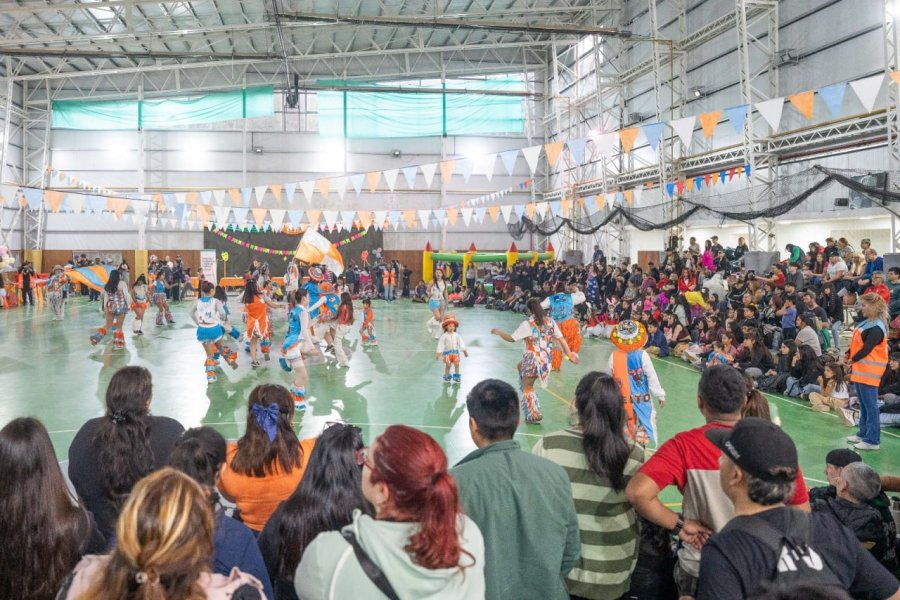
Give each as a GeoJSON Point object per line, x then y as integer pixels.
{"type": "Point", "coordinates": [372, 571]}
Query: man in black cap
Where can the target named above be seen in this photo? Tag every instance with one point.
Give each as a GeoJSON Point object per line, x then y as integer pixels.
{"type": "Point", "coordinates": [758, 467]}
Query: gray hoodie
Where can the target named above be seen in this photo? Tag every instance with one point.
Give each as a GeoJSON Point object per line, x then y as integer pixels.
{"type": "Point", "coordinates": [329, 569]}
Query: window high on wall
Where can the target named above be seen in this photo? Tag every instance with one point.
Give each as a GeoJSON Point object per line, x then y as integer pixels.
{"type": "Point", "coordinates": [489, 105]}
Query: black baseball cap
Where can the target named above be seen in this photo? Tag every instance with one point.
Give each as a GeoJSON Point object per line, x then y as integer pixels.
{"type": "Point", "coordinates": [759, 447]}
{"type": "Point", "coordinates": [841, 457]}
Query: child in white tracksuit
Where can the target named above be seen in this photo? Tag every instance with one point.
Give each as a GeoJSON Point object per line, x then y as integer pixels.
{"type": "Point", "coordinates": [449, 346]}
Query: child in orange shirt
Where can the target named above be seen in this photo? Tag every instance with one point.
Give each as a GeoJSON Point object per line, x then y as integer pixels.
{"type": "Point", "coordinates": [367, 331]}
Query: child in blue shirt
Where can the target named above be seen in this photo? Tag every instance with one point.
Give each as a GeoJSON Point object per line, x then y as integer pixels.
{"type": "Point", "coordinates": [657, 345]}
{"type": "Point", "coordinates": [788, 318]}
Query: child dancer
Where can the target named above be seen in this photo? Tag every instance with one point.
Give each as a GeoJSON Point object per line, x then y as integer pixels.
{"type": "Point", "coordinates": [209, 315]}
{"type": "Point", "coordinates": [292, 349]}
{"type": "Point", "coordinates": [449, 346]}
{"type": "Point", "coordinates": [367, 331]}
{"type": "Point", "coordinates": [139, 306]}
{"type": "Point", "coordinates": [56, 286]}
{"type": "Point", "coordinates": [222, 297]}
{"type": "Point", "coordinates": [115, 301]}
{"type": "Point", "coordinates": [159, 299]}
{"type": "Point", "coordinates": [539, 333]}
{"type": "Point", "coordinates": [342, 328]}
{"type": "Point", "coordinates": [256, 309]}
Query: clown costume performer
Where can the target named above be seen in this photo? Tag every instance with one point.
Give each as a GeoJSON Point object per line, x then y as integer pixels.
{"type": "Point", "coordinates": [562, 310]}
{"type": "Point", "coordinates": [211, 320]}
{"type": "Point", "coordinates": [449, 346]}
{"type": "Point", "coordinates": [115, 301]}
{"type": "Point", "coordinates": [539, 333]}
{"type": "Point", "coordinates": [56, 287]}
{"type": "Point", "coordinates": [631, 366]}
{"type": "Point", "coordinates": [159, 299]}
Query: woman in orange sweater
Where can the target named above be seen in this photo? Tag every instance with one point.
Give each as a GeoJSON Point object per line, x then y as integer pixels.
{"type": "Point", "coordinates": [265, 466]}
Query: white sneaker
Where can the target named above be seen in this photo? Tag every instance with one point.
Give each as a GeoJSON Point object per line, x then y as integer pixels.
{"type": "Point", "coordinates": [865, 446]}
{"type": "Point", "coordinates": [847, 417]}
{"type": "Point", "coordinates": [852, 439]}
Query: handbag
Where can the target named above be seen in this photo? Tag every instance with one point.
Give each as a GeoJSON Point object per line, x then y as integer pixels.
{"type": "Point", "coordinates": [372, 571]}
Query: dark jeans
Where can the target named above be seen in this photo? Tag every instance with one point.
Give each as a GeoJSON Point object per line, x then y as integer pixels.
{"type": "Point", "coordinates": [28, 296]}
{"type": "Point", "coordinates": [175, 291]}
{"type": "Point", "coordinates": [648, 583]}
{"type": "Point", "coordinates": [789, 333]}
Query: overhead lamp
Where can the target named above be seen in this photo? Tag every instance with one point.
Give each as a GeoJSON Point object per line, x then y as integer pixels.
{"type": "Point", "coordinates": [396, 153]}
{"type": "Point", "coordinates": [697, 92]}
{"type": "Point", "coordinates": [257, 149]}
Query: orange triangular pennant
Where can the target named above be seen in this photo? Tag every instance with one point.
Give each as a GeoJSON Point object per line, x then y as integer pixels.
{"type": "Point", "coordinates": [564, 206]}
{"type": "Point", "coordinates": [322, 186]}
{"type": "Point", "coordinates": [313, 217]}
{"type": "Point", "coordinates": [276, 191]}
{"type": "Point", "coordinates": [191, 198]}
{"type": "Point", "coordinates": [689, 184]}
{"type": "Point", "coordinates": [452, 215]}
{"type": "Point", "coordinates": [629, 197]}
{"type": "Point", "coordinates": [160, 202]}
{"type": "Point", "coordinates": [259, 215]}
{"type": "Point", "coordinates": [553, 150]}
{"type": "Point", "coordinates": [708, 122]}
{"type": "Point", "coordinates": [529, 209]}
{"type": "Point", "coordinates": [803, 102]}
{"type": "Point", "coordinates": [203, 213]}
{"type": "Point", "coordinates": [627, 136]}
{"type": "Point", "coordinates": [494, 211]}
{"type": "Point", "coordinates": [895, 75]}
{"type": "Point", "coordinates": [53, 199]}
{"type": "Point", "coordinates": [600, 201]}
{"type": "Point", "coordinates": [410, 217]}
{"type": "Point", "coordinates": [235, 196]}
{"type": "Point", "coordinates": [447, 168]}
{"type": "Point", "coordinates": [373, 178]}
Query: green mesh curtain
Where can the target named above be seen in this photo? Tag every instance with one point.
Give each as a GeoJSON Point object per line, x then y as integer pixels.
{"type": "Point", "coordinates": [164, 113]}
{"type": "Point", "coordinates": [391, 114]}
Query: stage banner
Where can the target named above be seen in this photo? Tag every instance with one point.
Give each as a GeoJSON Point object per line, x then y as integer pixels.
{"type": "Point", "coordinates": [208, 265]}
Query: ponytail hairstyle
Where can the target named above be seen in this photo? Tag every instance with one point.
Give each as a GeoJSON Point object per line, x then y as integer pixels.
{"type": "Point", "coordinates": [164, 541]}
{"type": "Point", "coordinates": [414, 468]}
{"type": "Point", "coordinates": [113, 283]}
{"type": "Point", "coordinates": [122, 440]}
{"type": "Point", "coordinates": [43, 528]}
{"type": "Point", "coordinates": [537, 311]}
{"type": "Point", "coordinates": [250, 291]}
{"type": "Point", "coordinates": [601, 415]}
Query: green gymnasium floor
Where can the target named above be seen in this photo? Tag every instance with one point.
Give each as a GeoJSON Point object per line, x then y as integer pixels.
{"type": "Point", "coordinates": [49, 370]}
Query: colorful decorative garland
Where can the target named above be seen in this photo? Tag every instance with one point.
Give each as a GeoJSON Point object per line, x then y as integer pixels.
{"type": "Point", "coordinates": [255, 248]}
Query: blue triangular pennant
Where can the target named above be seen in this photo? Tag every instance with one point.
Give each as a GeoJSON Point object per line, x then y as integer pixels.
{"type": "Point", "coordinates": [670, 188]}
{"type": "Point", "coordinates": [357, 182]}
{"type": "Point", "coordinates": [34, 197]}
{"type": "Point", "coordinates": [576, 149]}
{"type": "Point", "coordinates": [698, 183]}
{"type": "Point", "coordinates": [509, 160]}
{"type": "Point", "coordinates": [295, 216]}
{"type": "Point", "coordinates": [240, 215]}
{"type": "Point", "coordinates": [289, 189]}
{"type": "Point", "coordinates": [653, 131]}
{"type": "Point", "coordinates": [737, 115]}
{"type": "Point", "coordinates": [479, 213]}
{"type": "Point", "coordinates": [410, 174]}
{"type": "Point", "coordinates": [180, 211]}
{"type": "Point", "coordinates": [833, 96]}
{"type": "Point", "coordinates": [554, 207]}
{"type": "Point", "coordinates": [464, 167]}
{"type": "Point", "coordinates": [245, 195]}
{"type": "Point", "coordinates": [206, 197]}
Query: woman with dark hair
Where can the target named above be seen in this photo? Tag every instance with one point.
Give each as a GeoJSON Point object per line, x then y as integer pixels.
{"type": "Point", "coordinates": [424, 546]}
{"type": "Point", "coordinates": [164, 546]}
{"type": "Point", "coordinates": [256, 305]}
{"type": "Point", "coordinates": [539, 333]}
{"type": "Point", "coordinates": [325, 500]}
{"type": "Point", "coordinates": [342, 327]}
{"type": "Point", "coordinates": [266, 464]}
{"type": "Point", "coordinates": [111, 453]}
{"type": "Point", "coordinates": [44, 529]}
{"type": "Point", "coordinates": [806, 368]}
{"type": "Point", "coordinates": [199, 454]}
{"type": "Point", "coordinates": [834, 308]}
{"type": "Point", "coordinates": [754, 359]}
{"type": "Point", "coordinates": [115, 300]}
{"type": "Point", "coordinates": [599, 459]}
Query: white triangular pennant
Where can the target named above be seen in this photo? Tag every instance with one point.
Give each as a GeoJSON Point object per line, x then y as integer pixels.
{"type": "Point", "coordinates": [330, 217]}
{"type": "Point", "coordinates": [606, 144]}
{"type": "Point", "coordinates": [307, 187]}
{"type": "Point", "coordinates": [867, 90]}
{"type": "Point", "coordinates": [410, 174]}
{"type": "Point", "coordinates": [487, 164]}
{"type": "Point", "coordinates": [465, 168]}
{"type": "Point", "coordinates": [506, 211]}
{"type": "Point", "coordinates": [380, 216]}
{"type": "Point", "coordinates": [771, 110]}
{"type": "Point", "coordinates": [466, 213]}
{"type": "Point", "coordinates": [347, 217]}
{"type": "Point", "coordinates": [531, 155]}
{"type": "Point", "coordinates": [637, 194]}
{"type": "Point", "coordinates": [509, 159]}
{"type": "Point", "coordinates": [341, 185]}
{"type": "Point", "coordinates": [240, 215]}
{"type": "Point", "coordinates": [685, 129]}
{"type": "Point", "coordinates": [390, 177]}
{"type": "Point", "coordinates": [260, 191]}
{"type": "Point", "coordinates": [289, 189]}
{"type": "Point", "coordinates": [357, 182]}
{"type": "Point", "coordinates": [424, 216]}
{"type": "Point", "coordinates": [221, 216]}
{"type": "Point", "coordinates": [428, 171]}
{"type": "Point", "coordinates": [277, 218]}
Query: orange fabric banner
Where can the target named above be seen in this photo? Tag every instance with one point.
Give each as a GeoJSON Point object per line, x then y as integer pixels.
{"type": "Point", "coordinates": [629, 197]}
{"type": "Point", "coordinates": [410, 217]}
{"type": "Point", "coordinates": [564, 207]}
{"type": "Point", "coordinates": [191, 198]}
{"type": "Point", "coordinates": [628, 136]}
{"type": "Point", "coordinates": [708, 122]}
{"type": "Point", "coordinates": [895, 75]}
{"type": "Point", "coordinates": [447, 168]}
{"type": "Point", "coordinates": [259, 216]}
{"type": "Point", "coordinates": [804, 102]}
{"type": "Point", "coordinates": [553, 150]}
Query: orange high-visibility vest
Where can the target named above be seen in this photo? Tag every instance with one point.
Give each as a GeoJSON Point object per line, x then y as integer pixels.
{"type": "Point", "coordinates": [869, 370]}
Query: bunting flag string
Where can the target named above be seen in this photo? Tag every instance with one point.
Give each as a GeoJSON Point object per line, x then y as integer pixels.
{"type": "Point", "coordinates": [224, 233]}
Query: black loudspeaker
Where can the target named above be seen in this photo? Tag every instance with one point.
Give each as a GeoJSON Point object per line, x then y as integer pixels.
{"type": "Point", "coordinates": [891, 260]}
{"type": "Point", "coordinates": [841, 202]}
{"type": "Point", "coordinates": [759, 261]}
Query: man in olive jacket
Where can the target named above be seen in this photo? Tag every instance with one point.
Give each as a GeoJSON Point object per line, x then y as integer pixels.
{"type": "Point", "coordinates": [522, 503]}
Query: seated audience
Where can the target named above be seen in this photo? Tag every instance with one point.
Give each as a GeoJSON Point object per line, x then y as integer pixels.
{"type": "Point", "coordinates": [200, 454]}
{"type": "Point", "coordinates": [111, 453]}
{"type": "Point", "coordinates": [268, 461]}
{"type": "Point", "coordinates": [418, 545]}
{"type": "Point", "coordinates": [325, 500]}
{"type": "Point", "coordinates": [522, 503]}
{"type": "Point", "coordinates": [45, 531]}
{"type": "Point", "coordinates": [164, 547]}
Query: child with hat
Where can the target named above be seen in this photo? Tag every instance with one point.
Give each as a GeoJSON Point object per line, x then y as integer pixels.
{"type": "Point", "coordinates": [449, 346]}
{"type": "Point", "coordinates": [631, 366]}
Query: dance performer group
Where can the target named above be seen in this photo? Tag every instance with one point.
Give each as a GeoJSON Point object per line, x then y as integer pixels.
{"type": "Point", "coordinates": [317, 316]}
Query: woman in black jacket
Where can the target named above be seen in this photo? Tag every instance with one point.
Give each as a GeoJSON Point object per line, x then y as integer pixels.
{"type": "Point", "coordinates": [754, 359]}
{"type": "Point", "coordinates": [805, 373]}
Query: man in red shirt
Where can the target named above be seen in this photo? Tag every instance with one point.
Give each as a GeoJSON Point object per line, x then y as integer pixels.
{"type": "Point", "coordinates": [691, 462]}
{"type": "Point", "coordinates": [878, 287]}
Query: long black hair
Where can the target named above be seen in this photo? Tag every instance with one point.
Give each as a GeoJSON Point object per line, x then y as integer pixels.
{"type": "Point", "coordinates": [42, 529]}
{"type": "Point", "coordinates": [250, 291]}
{"type": "Point", "coordinates": [113, 283]}
{"type": "Point", "coordinates": [331, 489]}
{"type": "Point", "coordinates": [601, 415]}
{"type": "Point", "coordinates": [123, 438]}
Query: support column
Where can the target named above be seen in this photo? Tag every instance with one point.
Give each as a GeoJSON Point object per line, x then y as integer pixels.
{"type": "Point", "coordinates": [892, 64]}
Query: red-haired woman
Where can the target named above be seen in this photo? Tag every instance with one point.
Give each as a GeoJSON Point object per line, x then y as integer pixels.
{"type": "Point", "coordinates": [421, 543]}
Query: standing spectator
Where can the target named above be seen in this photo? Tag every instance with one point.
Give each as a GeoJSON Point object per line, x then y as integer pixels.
{"type": "Point", "coordinates": [406, 273]}
{"type": "Point", "coordinates": [759, 468]}
{"type": "Point", "coordinates": [741, 248]}
{"type": "Point", "coordinates": [268, 461]}
{"type": "Point", "coordinates": [26, 275]}
{"type": "Point", "coordinates": [44, 530]}
{"type": "Point", "coordinates": [868, 360]}
{"type": "Point", "coordinates": [597, 256]}
{"type": "Point", "coordinates": [690, 461]}
{"type": "Point", "coordinates": [111, 453]}
{"type": "Point", "coordinates": [200, 454]}
{"type": "Point", "coordinates": [599, 461]}
{"type": "Point", "coordinates": [522, 503]}
{"type": "Point", "coordinates": [788, 314]}
{"type": "Point", "coordinates": [164, 546]}
{"type": "Point", "coordinates": [419, 540]}
{"type": "Point", "coordinates": [328, 495]}
{"type": "Point", "coordinates": [834, 308]}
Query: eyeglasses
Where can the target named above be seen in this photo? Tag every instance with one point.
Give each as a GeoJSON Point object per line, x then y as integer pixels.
{"type": "Point", "coordinates": [362, 458]}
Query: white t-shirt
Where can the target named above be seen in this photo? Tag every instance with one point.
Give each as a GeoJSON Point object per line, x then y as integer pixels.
{"type": "Point", "coordinates": [524, 331]}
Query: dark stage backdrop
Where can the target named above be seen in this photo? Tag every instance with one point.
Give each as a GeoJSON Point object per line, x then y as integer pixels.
{"type": "Point", "coordinates": [239, 258]}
